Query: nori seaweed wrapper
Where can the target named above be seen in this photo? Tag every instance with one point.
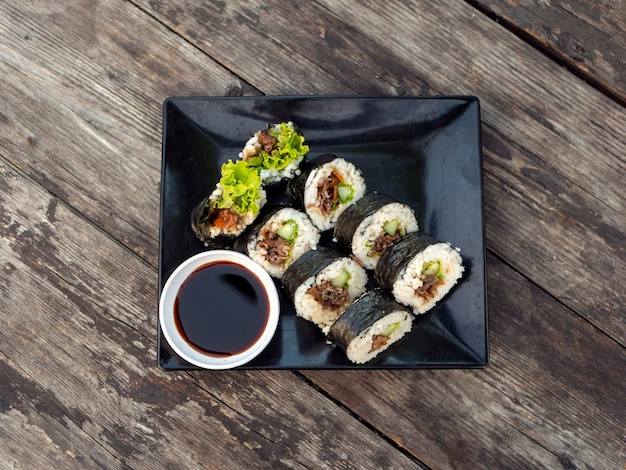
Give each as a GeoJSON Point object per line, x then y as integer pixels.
{"type": "Point", "coordinates": [241, 243]}
{"type": "Point", "coordinates": [397, 257]}
{"type": "Point", "coordinates": [296, 186]}
{"type": "Point", "coordinates": [308, 265]}
{"type": "Point", "coordinates": [350, 219]}
{"type": "Point", "coordinates": [200, 213]}
{"type": "Point", "coordinates": [363, 313]}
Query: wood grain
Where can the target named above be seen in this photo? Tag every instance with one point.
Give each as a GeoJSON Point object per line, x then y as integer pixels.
{"type": "Point", "coordinates": [554, 233]}
{"type": "Point", "coordinates": [588, 36]}
{"type": "Point", "coordinates": [567, 138]}
{"type": "Point", "coordinates": [80, 377]}
{"type": "Point", "coordinates": [80, 124]}
{"type": "Point", "coordinates": [82, 102]}
{"type": "Point", "coordinates": [552, 395]}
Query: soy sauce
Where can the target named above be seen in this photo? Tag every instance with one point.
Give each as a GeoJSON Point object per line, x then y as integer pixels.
{"type": "Point", "coordinates": [221, 309]}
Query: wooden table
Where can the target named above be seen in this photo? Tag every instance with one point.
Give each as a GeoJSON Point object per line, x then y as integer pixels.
{"type": "Point", "coordinates": [83, 84]}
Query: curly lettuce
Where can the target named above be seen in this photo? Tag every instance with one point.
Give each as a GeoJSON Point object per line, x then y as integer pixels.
{"type": "Point", "coordinates": [289, 148]}
{"type": "Point", "coordinates": [241, 187]}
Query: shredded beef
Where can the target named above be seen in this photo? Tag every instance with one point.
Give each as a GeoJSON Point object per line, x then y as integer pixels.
{"type": "Point", "coordinates": [378, 341]}
{"type": "Point", "coordinates": [382, 242]}
{"type": "Point", "coordinates": [267, 141]}
{"type": "Point", "coordinates": [327, 193]}
{"type": "Point", "coordinates": [277, 248]}
{"type": "Point", "coordinates": [329, 296]}
{"type": "Point", "coordinates": [428, 289]}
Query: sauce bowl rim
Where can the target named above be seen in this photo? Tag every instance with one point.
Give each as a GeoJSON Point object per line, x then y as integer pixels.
{"type": "Point", "coordinates": [168, 297]}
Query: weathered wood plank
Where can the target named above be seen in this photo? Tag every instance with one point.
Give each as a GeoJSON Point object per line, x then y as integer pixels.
{"type": "Point", "coordinates": [569, 243]}
{"type": "Point", "coordinates": [83, 86]}
{"type": "Point", "coordinates": [549, 111]}
{"type": "Point", "coordinates": [58, 58]}
{"type": "Point", "coordinates": [77, 358]}
{"type": "Point", "coordinates": [560, 129]}
{"type": "Point", "coordinates": [588, 36]}
{"type": "Point", "coordinates": [551, 397]}
{"type": "Point", "coordinates": [32, 419]}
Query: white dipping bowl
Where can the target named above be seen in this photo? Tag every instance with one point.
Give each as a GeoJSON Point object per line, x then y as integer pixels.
{"type": "Point", "coordinates": [174, 337]}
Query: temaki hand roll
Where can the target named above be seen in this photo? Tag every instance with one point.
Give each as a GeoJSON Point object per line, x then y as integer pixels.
{"type": "Point", "coordinates": [277, 152]}
{"type": "Point", "coordinates": [370, 225]}
{"type": "Point", "coordinates": [370, 325]}
{"type": "Point", "coordinates": [325, 188]}
{"type": "Point", "coordinates": [231, 207]}
{"type": "Point", "coordinates": [419, 270]}
{"type": "Point", "coordinates": [322, 283]}
{"type": "Point", "coordinates": [280, 236]}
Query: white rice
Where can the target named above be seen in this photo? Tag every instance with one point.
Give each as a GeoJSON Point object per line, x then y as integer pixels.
{"type": "Point", "coordinates": [306, 305]}
{"type": "Point", "coordinates": [409, 280]}
{"type": "Point", "coordinates": [242, 220]}
{"type": "Point", "coordinates": [359, 349]}
{"type": "Point", "coordinates": [269, 176]}
{"type": "Point", "coordinates": [351, 175]}
{"type": "Point", "coordinates": [252, 147]}
{"type": "Point", "coordinates": [307, 239]}
{"type": "Point", "coordinates": [371, 227]}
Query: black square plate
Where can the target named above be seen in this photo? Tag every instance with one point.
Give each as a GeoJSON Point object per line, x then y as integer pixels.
{"type": "Point", "coordinates": [424, 151]}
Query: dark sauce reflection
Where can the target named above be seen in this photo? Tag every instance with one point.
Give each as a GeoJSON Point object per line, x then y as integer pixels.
{"type": "Point", "coordinates": [221, 309]}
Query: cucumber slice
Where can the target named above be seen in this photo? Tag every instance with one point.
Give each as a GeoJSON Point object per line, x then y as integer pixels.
{"type": "Point", "coordinates": [390, 329]}
{"type": "Point", "coordinates": [342, 279]}
{"type": "Point", "coordinates": [391, 227]}
{"type": "Point", "coordinates": [432, 268]}
{"type": "Point", "coordinates": [344, 192]}
{"type": "Point", "coordinates": [288, 231]}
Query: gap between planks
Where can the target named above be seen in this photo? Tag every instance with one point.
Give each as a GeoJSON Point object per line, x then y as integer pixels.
{"type": "Point", "coordinates": [552, 53]}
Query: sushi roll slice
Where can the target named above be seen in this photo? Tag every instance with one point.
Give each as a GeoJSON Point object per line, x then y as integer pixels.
{"type": "Point", "coordinates": [370, 225]}
{"type": "Point", "coordinates": [419, 270]}
{"type": "Point", "coordinates": [370, 325]}
{"type": "Point", "coordinates": [277, 152]}
{"type": "Point", "coordinates": [326, 187]}
{"type": "Point", "coordinates": [322, 283]}
{"type": "Point", "coordinates": [279, 238]}
{"type": "Point", "coordinates": [231, 207]}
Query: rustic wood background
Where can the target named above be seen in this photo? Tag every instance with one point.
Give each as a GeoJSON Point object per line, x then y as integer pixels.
{"type": "Point", "coordinates": [83, 84]}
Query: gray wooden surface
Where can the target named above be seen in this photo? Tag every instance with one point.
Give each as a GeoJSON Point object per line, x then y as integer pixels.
{"type": "Point", "coordinates": [83, 84]}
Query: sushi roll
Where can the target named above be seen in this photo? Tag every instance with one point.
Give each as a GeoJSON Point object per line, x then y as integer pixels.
{"type": "Point", "coordinates": [370, 325]}
{"type": "Point", "coordinates": [326, 187]}
{"type": "Point", "coordinates": [370, 225]}
{"type": "Point", "coordinates": [231, 207]}
{"type": "Point", "coordinates": [277, 152]}
{"type": "Point", "coordinates": [419, 270]}
{"type": "Point", "coordinates": [322, 283]}
{"type": "Point", "coordinates": [278, 238]}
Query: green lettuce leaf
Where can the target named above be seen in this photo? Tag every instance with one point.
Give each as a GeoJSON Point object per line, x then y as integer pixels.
{"type": "Point", "coordinates": [290, 148]}
{"type": "Point", "coordinates": [241, 185]}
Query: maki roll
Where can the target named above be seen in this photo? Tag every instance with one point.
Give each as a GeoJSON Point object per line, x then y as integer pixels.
{"type": "Point", "coordinates": [280, 237]}
{"type": "Point", "coordinates": [322, 283]}
{"type": "Point", "coordinates": [231, 207]}
{"type": "Point", "coordinates": [326, 188]}
{"type": "Point", "coordinates": [276, 152]}
{"type": "Point", "coordinates": [370, 225]}
{"type": "Point", "coordinates": [370, 325]}
{"type": "Point", "coordinates": [419, 270]}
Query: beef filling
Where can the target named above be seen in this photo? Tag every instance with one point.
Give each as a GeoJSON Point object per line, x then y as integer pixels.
{"type": "Point", "coordinates": [378, 341]}
{"type": "Point", "coordinates": [329, 296]}
{"type": "Point", "coordinates": [277, 248]}
{"type": "Point", "coordinates": [428, 289]}
{"type": "Point", "coordinates": [267, 141]}
{"type": "Point", "coordinates": [382, 242]}
{"type": "Point", "coordinates": [328, 192]}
